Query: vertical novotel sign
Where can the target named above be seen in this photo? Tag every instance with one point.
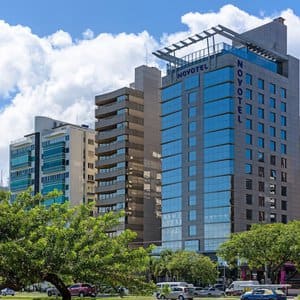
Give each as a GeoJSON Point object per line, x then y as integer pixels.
{"type": "Point", "coordinates": [240, 91]}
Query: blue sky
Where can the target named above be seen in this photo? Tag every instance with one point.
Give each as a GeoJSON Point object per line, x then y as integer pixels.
{"type": "Point", "coordinates": [57, 55]}
{"type": "Point", "coordinates": [45, 17]}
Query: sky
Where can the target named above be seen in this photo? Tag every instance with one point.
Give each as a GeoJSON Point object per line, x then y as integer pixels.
{"type": "Point", "coordinates": [55, 55]}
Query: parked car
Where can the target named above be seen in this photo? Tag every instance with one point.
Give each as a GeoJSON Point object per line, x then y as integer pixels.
{"type": "Point", "coordinates": [7, 292]}
{"type": "Point", "coordinates": [197, 290]}
{"type": "Point", "coordinates": [82, 290]}
{"type": "Point", "coordinates": [52, 291]}
{"type": "Point", "coordinates": [220, 286]}
{"type": "Point", "coordinates": [177, 292]}
{"type": "Point", "coordinates": [211, 291]}
{"type": "Point", "coordinates": [264, 294]}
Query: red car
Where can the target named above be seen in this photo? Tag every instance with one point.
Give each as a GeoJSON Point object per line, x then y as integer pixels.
{"type": "Point", "coordinates": [82, 290]}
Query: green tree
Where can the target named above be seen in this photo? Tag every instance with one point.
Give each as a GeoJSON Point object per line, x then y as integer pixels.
{"type": "Point", "coordinates": [61, 245]}
{"type": "Point", "coordinates": [265, 246]}
{"type": "Point", "coordinates": [186, 266]}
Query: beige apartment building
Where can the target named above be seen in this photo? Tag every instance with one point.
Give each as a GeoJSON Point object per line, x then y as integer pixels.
{"type": "Point", "coordinates": [128, 155]}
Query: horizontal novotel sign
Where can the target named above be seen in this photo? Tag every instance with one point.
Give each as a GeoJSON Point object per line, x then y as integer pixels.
{"type": "Point", "coordinates": [191, 70]}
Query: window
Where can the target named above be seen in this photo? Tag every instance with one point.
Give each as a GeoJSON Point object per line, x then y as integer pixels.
{"type": "Point", "coordinates": [260, 83]}
{"type": "Point", "coordinates": [261, 127]}
{"type": "Point", "coordinates": [273, 174]}
{"type": "Point", "coordinates": [261, 98]}
{"type": "Point", "coordinates": [248, 169]}
{"type": "Point", "coordinates": [192, 230]}
{"type": "Point", "coordinates": [248, 78]}
{"type": "Point", "coordinates": [283, 148]}
{"type": "Point", "coordinates": [273, 218]}
{"type": "Point", "coordinates": [283, 134]}
{"type": "Point", "coordinates": [261, 113]}
{"type": "Point", "coordinates": [283, 93]}
{"type": "Point", "coordinates": [272, 131]}
{"type": "Point", "coordinates": [283, 162]}
{"type": "Point", "coordinates": [261, 216]}
{"type": "Point", "coordinates": [272, 146]}
{"type": "Point", "coordinates": [248, 109]}
{"type": "Point", "coordinates": [90, 166]}
{"type": "Point", "coordinates": [248, 199]}
{"type": "Point", "coordinates": [273, 160]}
{"type": "Point", "coordinates": [192, 141]}
{"type": "Point", "coordinates": [283, 120]}
{"type": "Point", "coordinates": [192, 200]}
{"type": "Point", "coordinates": [192, 170]}
{"type": "Point", "coordinates": [272, 102]}
{"type": "Point", "coordinates": [90, 141]}
{"type": "Point", "coordinates": [192, 156]}
{"type": "Point", "coordinates": [260, 156]}
{"type": "Point", "coordinates": [272, 117]}
{"type": "Point", "coordinates": [283, 191]}
{"type": "Point", "coordinates": [283, 106]}
{"type": "Point", "coordinates": [191, 82]}
{"type": "Point", "coordinates": [192, 215]}
{"type": "Point", "coordinates": [249, 184]}
{"type": "Point", "coordinates": [261, 142]}
{"type": "Point", "coordinates": [283, 205]}
{"type": "Point", "coordinates": [248, 124]}
{"type": "Point", "coordinates": [261, 171]}
{"type": "Point", "coordinates": [248, 139]}
{"type": "Point", "coordinates": [248, 94]}
{"type": "Point", "coordinates": [261, 186]}
{"type": "Point", "coordinates": [90, 177]}
{"type": "Point", "coordinates": [248, 154]}
{"type": "Point", "coordinates": [283, 177]}
{"type": "Point", "coordinates": [272, 202]}
{"type": "Point", "coordinates": [284, 219]}
{"type": "Point", "coordinates": [272, 88]}
{"type": "Point", "coordinates": [261, 201]}
{"type": "Point", "coordinates": [192, 98]}
{"type": "Point", "coordinates": [192, 126]}
{"type": "Point", "coordinates": [272, 188]}
{"type": "Point", "coordinates": [248, 214]}
{"type": "Point", "coordinates": [192, 112]}
{"type": "Point", "coordinates": [192, 185]}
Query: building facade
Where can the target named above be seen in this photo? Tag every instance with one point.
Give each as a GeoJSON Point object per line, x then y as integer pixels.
{"type": "Point", "coordinates": [57, 156]}
{"type": "Point", "coordinates": [230, 141]}
{"type": "Point", "coordinates": [128, 155]}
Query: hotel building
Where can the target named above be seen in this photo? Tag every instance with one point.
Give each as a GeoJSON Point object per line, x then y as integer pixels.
{"type": "Point", "coordinates": [230, 135]}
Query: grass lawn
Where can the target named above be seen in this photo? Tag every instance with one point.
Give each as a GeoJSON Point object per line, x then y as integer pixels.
{"type": "Point", "coordinates": [43, 296]}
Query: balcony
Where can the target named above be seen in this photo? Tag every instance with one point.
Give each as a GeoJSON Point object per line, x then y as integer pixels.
{"type": "Point", "coordinates": [112, 187]}
{"type": "Point", "coordinates": [104, 135]}
{"type": "Point", "coordinates": [102, 123]}
{"type": "Point", "coordinates": [114, 173]}
{"type": "Point", "coordinates": [111, 161]}
{"type": "Point", "coordinates": [107, 109]}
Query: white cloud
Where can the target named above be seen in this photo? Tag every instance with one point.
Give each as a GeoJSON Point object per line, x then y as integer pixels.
{"type": "Point", "coordinates": [88, 34]}
{"type": "Point", "coordinates": [58, 77]}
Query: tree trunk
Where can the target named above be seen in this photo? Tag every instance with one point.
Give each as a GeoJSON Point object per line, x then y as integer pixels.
{"type": "Point", "coordinates": [59, 284]}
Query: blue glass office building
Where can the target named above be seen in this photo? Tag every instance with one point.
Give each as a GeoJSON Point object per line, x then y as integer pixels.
{"type": "Point", "coordinates": [230, 122]}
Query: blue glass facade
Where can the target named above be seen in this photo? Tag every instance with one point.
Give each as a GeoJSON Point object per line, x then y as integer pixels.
{"type": "Point", "coordinates": [232, 126]}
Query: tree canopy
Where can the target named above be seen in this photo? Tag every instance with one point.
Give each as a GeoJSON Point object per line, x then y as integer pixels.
{"type": "Point", "coordinates": [186, 266]}
{"type": "Point", "coordinates": [264, 245]}
{"type": "Point", "coordinates": [62, 245]}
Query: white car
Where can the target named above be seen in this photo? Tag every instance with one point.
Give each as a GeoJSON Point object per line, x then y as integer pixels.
{"type": "Point", "coordinates": [7, 292]}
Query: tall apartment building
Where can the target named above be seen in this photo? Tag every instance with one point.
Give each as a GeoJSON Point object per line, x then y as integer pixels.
{"type": "Point", "coordinates": [128, 155]}
{"type": "Point", "coordinates": [230, 135]}
{"type": "Point", "coordinates": [58, 156]}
